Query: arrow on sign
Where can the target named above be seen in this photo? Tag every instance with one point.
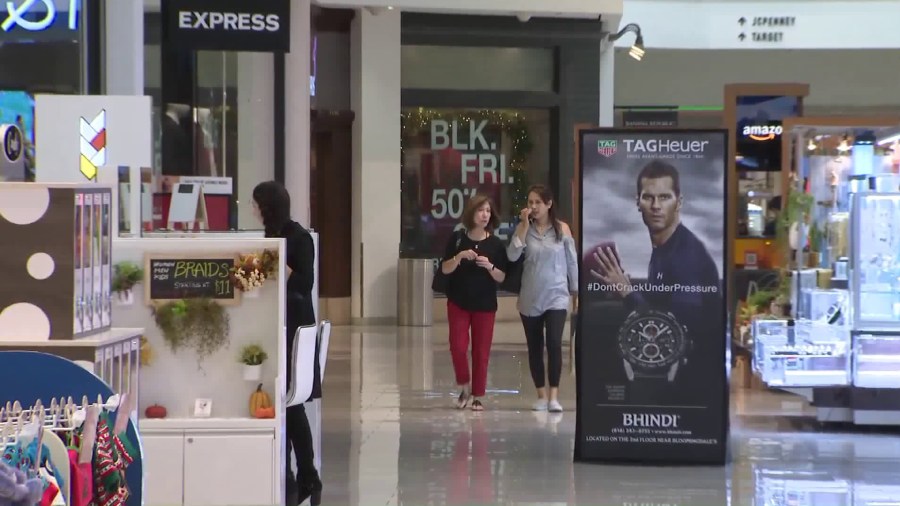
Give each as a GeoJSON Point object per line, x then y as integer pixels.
{"type": "Point", "coordinates": [742, 20]}
{"type": "Point", "coordinates": [742, 37]}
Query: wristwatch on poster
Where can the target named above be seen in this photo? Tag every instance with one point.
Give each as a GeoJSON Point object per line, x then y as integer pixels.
{"type": "Point", "coordinates": [653, 345]}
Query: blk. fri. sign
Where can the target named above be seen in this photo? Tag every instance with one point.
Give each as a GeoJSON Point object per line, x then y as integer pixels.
{"type": "Point", "coordinates": [228, 25]}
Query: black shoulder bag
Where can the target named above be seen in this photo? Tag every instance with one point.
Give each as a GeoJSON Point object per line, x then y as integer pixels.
{"type": "Point", "coordinates": [513, 281]}
{"type": "Point", "coordinates": [440, 280]}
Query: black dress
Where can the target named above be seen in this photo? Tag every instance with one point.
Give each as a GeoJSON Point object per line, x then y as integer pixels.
{"type": "Point", "coordinates": [300, 257]}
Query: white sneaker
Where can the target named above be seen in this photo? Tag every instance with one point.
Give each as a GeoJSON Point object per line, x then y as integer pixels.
{"type": "Point", "coordinates": [555, 407]}
{"type": "Point", "coordinates": [539, 405]}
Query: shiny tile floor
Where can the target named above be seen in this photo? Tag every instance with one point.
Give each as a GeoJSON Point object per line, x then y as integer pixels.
{"type": "Point", "coordinates": [391, 437]}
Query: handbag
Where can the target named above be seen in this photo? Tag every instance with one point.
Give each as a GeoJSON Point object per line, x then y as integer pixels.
{"type": "Point", "coordinates": [440, 281]}
{"type": "Point", "coordinates": [513, 281]}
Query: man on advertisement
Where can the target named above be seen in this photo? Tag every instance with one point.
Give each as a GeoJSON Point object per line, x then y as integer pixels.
{"type": "Point", "coordinates": [668, 312]}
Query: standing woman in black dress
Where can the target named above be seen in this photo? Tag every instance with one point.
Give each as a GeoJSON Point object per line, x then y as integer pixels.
{"type": "Point", "coordinates": [272, 205]}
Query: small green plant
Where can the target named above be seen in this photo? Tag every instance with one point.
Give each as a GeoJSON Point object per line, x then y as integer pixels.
{"type": "Point", "coordinates": [126, 275]}
{"type": "Point", "coordinates": [816, 236]}
{"type": "Point", "coordinates": [198, 324]}
{"type": "Point", "coordinates": [253, 354]}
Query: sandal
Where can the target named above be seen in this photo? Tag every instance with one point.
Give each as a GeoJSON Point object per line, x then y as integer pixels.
{"type": "Point", "coordinates": [463, 400]}
{"type": "Point", "coordinates": [477, 406]}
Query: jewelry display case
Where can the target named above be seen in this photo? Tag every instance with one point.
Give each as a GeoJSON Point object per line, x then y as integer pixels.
{"type": "Point", "coordinates": [802, 353]}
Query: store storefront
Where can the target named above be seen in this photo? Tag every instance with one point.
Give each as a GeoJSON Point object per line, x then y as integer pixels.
{"type": "Point", "coordinates": [828, 330]}
{"type": "Point", "coordinates": [489, 106]}
{"type": "Point", "coordinates": [44, 48]}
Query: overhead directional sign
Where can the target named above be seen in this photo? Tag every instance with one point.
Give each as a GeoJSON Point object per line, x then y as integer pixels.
{"type": "Point", "coordinates": [786, 24]}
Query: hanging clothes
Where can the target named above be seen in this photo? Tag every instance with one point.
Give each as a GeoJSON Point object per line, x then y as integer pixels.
{"type": "Point", "coordinates": [112, 455]}
{"type": "Point", "coordinates": [16, 489]}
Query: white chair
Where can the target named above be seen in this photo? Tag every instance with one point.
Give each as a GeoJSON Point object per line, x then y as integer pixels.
{"type": "Point", "coordinates": [303, 364]}
{"type": "Point", "coordinates": [324, 338]}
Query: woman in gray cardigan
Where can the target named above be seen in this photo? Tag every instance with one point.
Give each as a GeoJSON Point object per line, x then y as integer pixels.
{"type": "Point", "coordinates": [549, 278]}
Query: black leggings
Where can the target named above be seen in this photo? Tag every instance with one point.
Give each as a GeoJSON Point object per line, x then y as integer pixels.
{"type": "Point", "coordinates": [553, 321]}
{"type": "Point", "coordinates": [299, 437]}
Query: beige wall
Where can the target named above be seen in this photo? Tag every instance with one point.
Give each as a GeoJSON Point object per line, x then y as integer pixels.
{"type": "Point", "coordinates": [842, 82]}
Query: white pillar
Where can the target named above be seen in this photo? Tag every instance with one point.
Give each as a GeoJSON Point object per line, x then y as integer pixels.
{"type": "Point", "coordinates": [124, 40]}
{"type": "Point", "coordinates": [607, 114]}
{"type": "Point", "coordinates": [296, 121]}
{"type": "Point", "coordinates": [255, 155]}
{"type": "Point", "coordinates": [375, 98]}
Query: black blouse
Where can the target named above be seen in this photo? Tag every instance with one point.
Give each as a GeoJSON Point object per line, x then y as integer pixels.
{"type": "Point", "coordinates": [300, 256]}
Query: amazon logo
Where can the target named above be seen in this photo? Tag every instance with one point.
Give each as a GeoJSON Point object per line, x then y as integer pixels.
{"type": "Point", "coordinates": [763, 132]}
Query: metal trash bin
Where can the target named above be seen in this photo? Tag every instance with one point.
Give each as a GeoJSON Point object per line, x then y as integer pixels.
{"type": "Point", "coordinates": [414, 295]}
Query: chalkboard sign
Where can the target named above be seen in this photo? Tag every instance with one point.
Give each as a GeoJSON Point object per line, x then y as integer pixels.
{"type": "Point", "coordinates": [192, 277]}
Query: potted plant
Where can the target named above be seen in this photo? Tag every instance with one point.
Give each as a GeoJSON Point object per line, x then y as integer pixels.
{"type": "Point", "coordinates": [198, 324]}
{"type": "Point", "coordinates": [253, 356]}
{"type": "Point", "coordinates": [815, 246]}
{"type": "Point", "coordinates": [125, 276]}
{"type": "Point", "coordinates": [251, 270]}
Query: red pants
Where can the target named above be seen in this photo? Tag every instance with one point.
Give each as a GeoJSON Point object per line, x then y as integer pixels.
{"type": "Point", "coordinates": [482, 325]}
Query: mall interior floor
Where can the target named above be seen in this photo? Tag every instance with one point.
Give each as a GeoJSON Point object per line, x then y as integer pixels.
{"type": "Point", "coordinates": [392, 437]}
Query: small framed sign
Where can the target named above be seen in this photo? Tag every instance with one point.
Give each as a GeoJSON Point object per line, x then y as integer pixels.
{"type": "Point", "coordinates": [751, 260]}
{"type": "Point", "coordinates": [202, 408]}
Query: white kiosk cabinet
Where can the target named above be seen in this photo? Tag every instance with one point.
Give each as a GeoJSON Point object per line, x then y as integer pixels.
{"type": "Point", "coordinates": [227, 457]}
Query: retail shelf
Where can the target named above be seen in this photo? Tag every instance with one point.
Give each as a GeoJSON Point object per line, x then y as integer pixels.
{"type": "Point", "coordinates": [160, 425]}
{"type": "Point", "coordinates": [111, 336]}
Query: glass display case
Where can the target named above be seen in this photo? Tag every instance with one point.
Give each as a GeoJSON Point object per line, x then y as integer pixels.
{"type": "Point", "coordinates": [876, 261]}
{"type": "Point", "coordinates": [797, 488]}
{"type": "Point", "coordinates": [826, 305]}
{"type": "Point", "coordinates": [802, 353]}
{"type": "Point", "coordinates": [876, 359]}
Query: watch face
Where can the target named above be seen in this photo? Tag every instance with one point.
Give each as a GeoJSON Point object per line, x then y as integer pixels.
{"type": "Point", "coordinates": [652, 340]}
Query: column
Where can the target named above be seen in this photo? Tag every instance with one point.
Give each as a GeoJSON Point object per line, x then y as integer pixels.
{"type": "Point", "coordinates": [375, 98]}
{"type": "Point", "coordinates": [607, 113]}
{"type": "Point", "coordinates": [256, 158]}
{"type": "Point", "coordinates": [296, 121]}
{"type": "Point", "coordinates": [124, 51]}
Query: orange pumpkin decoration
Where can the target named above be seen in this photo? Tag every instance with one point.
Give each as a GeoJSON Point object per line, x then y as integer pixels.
{"type": "Point", "coordinates": [259, 399]}
{"type": "Point", "coordinates": [265, 412]}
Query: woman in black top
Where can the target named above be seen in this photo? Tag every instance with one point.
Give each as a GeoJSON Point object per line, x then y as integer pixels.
{"type": "Point", "coordinates": [272, 205]}
{"type": "Point", "coordinates": [474, 262]}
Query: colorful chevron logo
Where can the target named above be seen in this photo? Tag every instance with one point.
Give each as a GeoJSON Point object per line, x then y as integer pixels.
{"type": "Point", "coordinates": [93, 145]}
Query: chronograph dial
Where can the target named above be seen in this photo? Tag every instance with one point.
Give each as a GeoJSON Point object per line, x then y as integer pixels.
{"type": "Point", "coordinates": [652, 342]}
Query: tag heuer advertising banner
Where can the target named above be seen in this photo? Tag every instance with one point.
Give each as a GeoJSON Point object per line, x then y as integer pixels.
{"type": "Point", "coordinates": [228, 25]}
{"type": "Point", "coordinates": [651, 350]}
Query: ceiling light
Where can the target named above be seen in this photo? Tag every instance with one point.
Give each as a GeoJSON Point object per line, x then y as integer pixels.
{"type": "Point", "coordinates": [637, 49]}
{"type": "Point", "coordinates": [812, 145]}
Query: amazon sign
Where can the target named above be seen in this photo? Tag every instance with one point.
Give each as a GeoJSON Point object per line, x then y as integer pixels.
{"type": "Point", "coordinates": [760, 130]}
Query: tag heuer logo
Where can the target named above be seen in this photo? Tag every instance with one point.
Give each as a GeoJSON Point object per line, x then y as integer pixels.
{"type": "Point", "coordinates": [606, 148]}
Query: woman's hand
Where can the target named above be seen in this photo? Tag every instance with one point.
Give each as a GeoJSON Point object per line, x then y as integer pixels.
{"type": "Point", "coordinates": [466, 255]}
{"type": "Point", "coordinates": [484, 263]}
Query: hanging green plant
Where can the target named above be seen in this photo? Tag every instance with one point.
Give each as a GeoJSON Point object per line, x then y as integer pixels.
{"type": "Point", "coordinates": [126, 275]}
{"type": "Point", "coordinates": [198, 324]}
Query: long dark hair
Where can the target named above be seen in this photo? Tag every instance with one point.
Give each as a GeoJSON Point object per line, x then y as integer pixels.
{"type": "Point", "coordinates": [274, 204]}
{"type": "Point", "coordinates": [546, 196]}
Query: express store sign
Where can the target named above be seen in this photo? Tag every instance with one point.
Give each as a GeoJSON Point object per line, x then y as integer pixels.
{"type": "Point", "coordinates": [228, 25]}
